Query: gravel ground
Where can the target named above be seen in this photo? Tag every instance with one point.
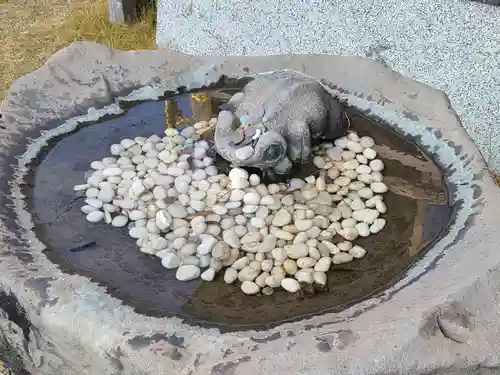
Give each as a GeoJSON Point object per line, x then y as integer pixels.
{"type": "Point", "coordinates": [450, 45]}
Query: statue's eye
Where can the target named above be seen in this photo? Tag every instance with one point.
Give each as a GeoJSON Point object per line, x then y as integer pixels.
{"type": "Point", "coordinates": [273, 152]}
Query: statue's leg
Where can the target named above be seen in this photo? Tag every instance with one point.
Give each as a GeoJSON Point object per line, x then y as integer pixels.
{"type": "Point", "coordinates": [299, 142]}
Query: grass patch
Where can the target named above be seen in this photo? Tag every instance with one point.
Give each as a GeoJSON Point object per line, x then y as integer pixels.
{"type": "Point", "coordinates": [496, 177]}
{"type": "Point", "coordinates": [34, 30]}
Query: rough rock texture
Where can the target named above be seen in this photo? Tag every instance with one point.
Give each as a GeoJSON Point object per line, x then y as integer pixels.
{"type": "Point", "coordinates": [453, 46]}
{"type": "Point", "coordinates": [442, 318]}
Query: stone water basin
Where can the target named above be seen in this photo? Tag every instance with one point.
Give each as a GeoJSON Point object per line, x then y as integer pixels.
{"type": "Point", "coordinates": [418, 214]}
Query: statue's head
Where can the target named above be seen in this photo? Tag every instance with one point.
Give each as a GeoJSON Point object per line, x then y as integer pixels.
{"type": "Point", "coordinates": [250, 144]}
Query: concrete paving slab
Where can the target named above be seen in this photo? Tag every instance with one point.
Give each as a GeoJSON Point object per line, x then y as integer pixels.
{"type": "Point", "coordinates": [452, 45]}
{"type": "Point", "coordinates": [441, 318]}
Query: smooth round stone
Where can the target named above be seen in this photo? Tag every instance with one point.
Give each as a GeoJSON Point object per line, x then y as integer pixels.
{"type": "Point", "coordinates": [221, 251]}
{"type": "Point", "coordinates": [380, 206]}
{"type": "Point", "coordinates": [348, 223]}
{"type": "Point", "coordinates": [342, 258]}
{"type": "Point", "coordinates": [282, 218]}
{"type": "Point", "coordinates": [267, 200]}
{"type": "Point", "coordinates": [334, 153]}
{"type": "Point", "coordinates": [304, 276]}
{"type": "Point", "coordinates": [377, 225]}
{"type": "Point", "coordinates": [342, 181]}
{"type": "Point", "coordinates": [231, 238]}
{"type": "Point", "coordinates": [369, 153]}
{"type": "Point", "coordinates": [287, 200]}
{"type": "Point", "coordinates": [97, 165]}
{"type": "Point", "coordinates": [319, 162]}
{"type": "Point", "coordinates": [349, 234]}
{"type": "Point", "coordinates": [363, 169]}
{"type": "Point", "coordinates": [365, 193]}
{"type": "Point", "coordinates": [248, 273]}
{"type": "Point", "coordinates": [191, 260]}
{"type": "Point", "coordinates": [206, 245]}
{"type": "Point", "coordinates": [348, 155]}
{"type": "Point", "coordinates": [170, 261]}
{"type": "Point", "coordinates": [366, 142]}
{"type": "Point", "coordinates": [363, 229]}
{"type": "Point", "coordinates": [376, 165]}
{"type": "Point", "coordinates": [379, 187]}
{"type": "Point", "coordinates": [119, 221]}
{"type": "Point", "coordinates": [92, 192]}
{"type": "Point", "coordinates": [138, 232]}
{"type": "Point", "coordinates": [283, 235]}
{"type": "Point", "coordinates": [367, 215]}
{"type": "Point", "coordinates": [357, 204]}
{"type": "Point", "coordinates": [262, 212]}
{"type": "Point", "coordinates": [319, 277]}
{"type": "Point", "coordinates": [320, 184]}
{"type": "Point", "coordinates": [290, 285]}
{"type": "Point", "coordinates": [95, 216]}
{"type": "Point", "coordinates": [113, 171]}
{"type": "Point", "coordinates": [219, 209]}
{"type": "Point", "coordinates": [299, 250]}
{"type": "Point", "coordinates": [258, 222]}
{"type": "Point", "coordinates": [136, 215]}
{"type": "Point", "coordinates": [94, 202]}
{"type": "Point", "coordinates": [306, 262]}
{"type": "Point", "coordinates": [252, 198]}
{"type": "Point", "coordinates": [251, 237]}
{"type": "Point", "coordinates": [187, 272]}
{"type": "Point", "coordinates": [344, 245]}
{"type": "Point", "coordinates": [197, 205]}
{"type": "Point", "coordinates": [249, 287]}
{"type": "Point", "coordinates": [236, 195]}
{"type": "Point", "coordinates": [232, 205]}
{"type": "Point", "coordinates": [107, 207]}
{"type": "Point", "coordinates": [241, 263]}
{"type": "Point", "coordinates": [303, 225]}
{"type": "Point", "coordinates": [267, 244]}
{"type": "Point", "coordinates": [357, 252]}
{"type": "Point", "coordinates": [351, 164]}
{"type": "Point", "coordinates": [208, 275]}
{"type": "Point", "coordinates": [290, 266]}
{"type": "Point", "coordinates": [323, 264]}
{"type": "Point", "coordinates": [354, 147]}
{"type": "Point", "coordinates": [177, 211]}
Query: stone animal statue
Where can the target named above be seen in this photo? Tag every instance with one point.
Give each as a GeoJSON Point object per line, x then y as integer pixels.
{"type": "Point", "coordinates": [272, 123]}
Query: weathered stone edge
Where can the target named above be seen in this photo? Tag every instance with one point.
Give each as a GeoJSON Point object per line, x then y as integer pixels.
{"type": "Point", "coordinates": [116, 74]}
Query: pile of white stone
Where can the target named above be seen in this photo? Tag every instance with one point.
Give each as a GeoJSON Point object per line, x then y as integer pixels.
{"type": "Point", "coordinates": [177, 205]}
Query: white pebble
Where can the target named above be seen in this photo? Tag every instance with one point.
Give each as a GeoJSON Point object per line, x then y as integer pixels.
{"type": "Point", "coordinates": [95, 216]}
{"type": "Point", "coordinates": [249, 287]}
{"type": "Point", "coordinates": [357, 252]}
{"type": "Point", "coordinates": [208, 275]}
{"type": "Point", "coordinates": [377, 225]}
{"type": "Point", "coordinates": [290, 285]}
{"type": "Point", "coordinates": [187, 272]}
{"type": "Point", "coordinates": [366, 142]}
{"type": "Point", "coordinates": [323, 265]}
{"type": "Point", "coordinates": [319, 277]}
{"type": "Point", "coordinates": [369, 153]}
{"type": "Point", "coordinates": [379, 187]}
{"type": "Point", "coordinates": [170, 261]}
{"type": "Point", "coordinates": [376, 165]}
{"type": "Point", "coordinates": [119, 221]}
